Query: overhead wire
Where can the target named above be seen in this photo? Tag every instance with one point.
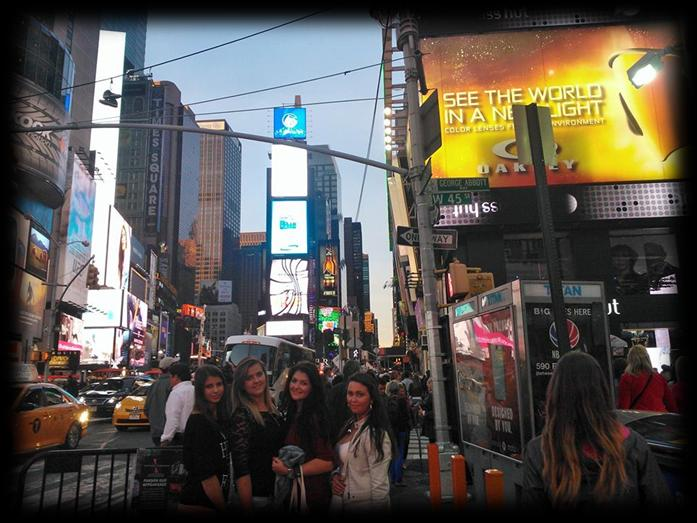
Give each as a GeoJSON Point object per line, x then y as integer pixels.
{"type": "Point", "coordinates": [146, 113]}
{"type": "Point", "coordinates": [131, 71]}
{"type": "Point", "coordinates": [372, 125]}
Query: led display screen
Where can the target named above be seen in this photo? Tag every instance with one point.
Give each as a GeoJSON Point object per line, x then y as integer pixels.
{"type": "Point", "coordinates": [290, 123]}
{"type": "Point", "coordinates": [288, 171]}
{"type": "Point", "coordinates": [328, 318]}
{"type": "Point", "coordinates": [118, 258]}
{"type": "Point", "coordinates": [288, 283]}
{"type": "Point", "coordinates": [289, 227]}
{"type": "Point", "coordinates": [70, 335]}
{"type": "Point", "coordinates": [37, 257]}
{"type": "Point", "coordinates": [606, 130]}
{"type": "Point", "coordinates": [284, 328]}
{"type": "Point", "coordinates": [106, 309]}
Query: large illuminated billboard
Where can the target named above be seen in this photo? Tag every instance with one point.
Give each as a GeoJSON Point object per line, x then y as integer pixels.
{"type": "Point", "coordinates": [288, 283]}
{"type": "Point", "coordinates": [290, 123]}
{"type": "Point", "coordinates": [107, 308]}
{"type": "Point", "coordinates": [118, 260]}
{"type": "Point", "coordinates": [288, 227]}
{"type": "Point", "coordinates": [606, 130]}
{"type": "Point", "coordinates": [288, 171]}
{"type": "Point", "coordinates": [284, 328]}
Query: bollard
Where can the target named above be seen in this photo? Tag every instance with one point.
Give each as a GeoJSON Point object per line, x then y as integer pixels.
{"type": "Point", "coordinates": [457, 463]}
{"type": "Point", "coordinates": [493, 486]}
{"type": "Point", "coordinates": [434, 475]}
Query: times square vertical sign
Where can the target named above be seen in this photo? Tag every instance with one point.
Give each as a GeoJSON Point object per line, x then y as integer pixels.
{"type": "Point", "coordinates": [153, 195]}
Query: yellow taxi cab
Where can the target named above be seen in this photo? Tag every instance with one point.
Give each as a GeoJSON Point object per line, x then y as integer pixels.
{"type": "Point", "coordinates": [43, 414]}
{"type": "Point", "coordinates": [130, 411]}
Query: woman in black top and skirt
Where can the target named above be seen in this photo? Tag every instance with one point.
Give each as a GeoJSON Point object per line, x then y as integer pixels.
{"type": "Point", "coordinates": [256, 435]}
{"type": "Point", "coordinates": [206, 451]}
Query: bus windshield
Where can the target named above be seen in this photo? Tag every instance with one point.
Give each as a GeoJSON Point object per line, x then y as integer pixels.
{"type": "Point", "coordinates": [237, 352]}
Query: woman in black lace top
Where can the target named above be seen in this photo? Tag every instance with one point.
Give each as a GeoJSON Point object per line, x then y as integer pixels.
{"type": "Point", "coordinates": [256, 434]}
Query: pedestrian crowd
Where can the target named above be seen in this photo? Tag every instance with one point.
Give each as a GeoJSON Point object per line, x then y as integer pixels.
{"type": "Point", "coordinates": [336, 443]}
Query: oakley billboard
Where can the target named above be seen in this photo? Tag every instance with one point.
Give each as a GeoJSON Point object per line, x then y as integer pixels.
{"type": "Point", "coordinates": [606, 130]}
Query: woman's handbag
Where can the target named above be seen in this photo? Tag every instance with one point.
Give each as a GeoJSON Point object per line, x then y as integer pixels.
{"type": "Point", "coordinates": [636, 400]}
{"type": "Point", "coordinates": [298, 500]}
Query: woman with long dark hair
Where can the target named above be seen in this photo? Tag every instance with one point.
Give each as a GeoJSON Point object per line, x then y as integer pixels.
{"type": "Point", "coordinates": [307, 423]}
{"type": "Point", "coordinates": [256, 434]}
{"type": "Point", "coordinates": [206, 453]}
{"type": "Point", "coordinates": [364, 449]}
{"type": "Point", "coordinates": [584, 457]}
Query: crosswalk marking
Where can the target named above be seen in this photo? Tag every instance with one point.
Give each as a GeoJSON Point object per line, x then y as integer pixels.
{"type": "Point", "coordinates": [414, 441]}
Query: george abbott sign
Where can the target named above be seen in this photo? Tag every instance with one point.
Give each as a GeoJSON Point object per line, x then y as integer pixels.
{"type": "Point", "coordinates": [445, 239]}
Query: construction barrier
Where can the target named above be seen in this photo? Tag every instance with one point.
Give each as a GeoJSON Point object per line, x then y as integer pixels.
{"type": "Point", "coordinates": [434, 475]}
{"type": "Point", "coordinates": [459, 475]}
{"type": "Point", "coordinates": [493, 485]}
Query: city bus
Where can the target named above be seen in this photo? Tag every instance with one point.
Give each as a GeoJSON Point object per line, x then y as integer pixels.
{"type": "Point", "coordinates": [277, 355]}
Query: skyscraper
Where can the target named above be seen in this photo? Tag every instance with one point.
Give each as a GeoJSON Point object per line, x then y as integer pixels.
{"type": "Point", "coordinates": [249, 281]}
{"type": "Point", "coordinates": [219, 199]}
{"type": "Point", "coordinates": [326, 184]}
{"type": "Point", "coordinates": [148, 177]}
{"type": "Point", "coordinates": [135, 26]}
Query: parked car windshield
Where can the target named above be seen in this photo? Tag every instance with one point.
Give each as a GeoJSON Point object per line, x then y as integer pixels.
{"type": "Point", "coordinates": [142, 390]}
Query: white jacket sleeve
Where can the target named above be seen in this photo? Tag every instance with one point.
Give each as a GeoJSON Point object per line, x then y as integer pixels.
{"type": "Point", "coordinates": [172, 409]}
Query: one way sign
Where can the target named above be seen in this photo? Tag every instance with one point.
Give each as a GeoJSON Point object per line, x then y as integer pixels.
{"type": "Point", "coordinates": [445, 239]}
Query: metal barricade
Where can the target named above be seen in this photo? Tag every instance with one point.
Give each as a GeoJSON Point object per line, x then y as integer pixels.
{"type": "Point", "coordinates": [79, 481]}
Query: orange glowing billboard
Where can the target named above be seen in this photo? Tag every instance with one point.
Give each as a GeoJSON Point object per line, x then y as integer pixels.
{"type": "Point", "coordinates": [606, 130]}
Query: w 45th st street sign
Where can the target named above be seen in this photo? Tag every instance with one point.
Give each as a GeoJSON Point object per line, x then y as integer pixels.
{"type": "Point", "coordinates": [444, 239]}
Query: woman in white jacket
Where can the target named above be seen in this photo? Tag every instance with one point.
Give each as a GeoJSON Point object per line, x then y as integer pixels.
{"type": "Point", "coordinates": [364, 450]}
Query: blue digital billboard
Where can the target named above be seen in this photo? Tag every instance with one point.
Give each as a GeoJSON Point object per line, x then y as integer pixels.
{"type": "Point", "coordinates": [290, 123]}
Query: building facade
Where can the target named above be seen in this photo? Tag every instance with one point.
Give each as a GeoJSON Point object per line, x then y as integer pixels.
{"type": "Point", "coordinates": [148, 177]}
{"type": "Point", "coordinates": [249, 282]}
{"type": "Point", "coordinates": [219, 199]}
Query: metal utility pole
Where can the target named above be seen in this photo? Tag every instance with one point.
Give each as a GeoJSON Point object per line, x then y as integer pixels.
{"type": "Point", "coordinates": [406, 40]}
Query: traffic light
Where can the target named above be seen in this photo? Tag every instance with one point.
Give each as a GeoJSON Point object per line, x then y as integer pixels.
{"type": "Point", "coordinates": [463, 281]}
{"type": "Point", "coordinates": [92, 277]}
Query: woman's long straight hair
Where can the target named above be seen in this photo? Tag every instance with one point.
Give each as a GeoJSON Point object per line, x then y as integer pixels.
{"type": "Point", "coordinates": [378, 421]}
{"type": "Point", "coordinates": [201, 405]}
{"type": "Point", "coordinates": [580, 415]}
{"type": "Point", "coordinates": [313, 418]}
{"type": "Point", "coordinates": [240, 398]}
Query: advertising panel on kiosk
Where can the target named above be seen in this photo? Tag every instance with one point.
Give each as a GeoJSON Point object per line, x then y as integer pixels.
{"type": "Point", "coordinates": [485, 357]}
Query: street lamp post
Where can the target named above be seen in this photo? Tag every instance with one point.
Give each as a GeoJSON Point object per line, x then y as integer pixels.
{"type": "Point", "coordinates": [54, 303]}
{"type": "Point", "coordinates": [408, 33]}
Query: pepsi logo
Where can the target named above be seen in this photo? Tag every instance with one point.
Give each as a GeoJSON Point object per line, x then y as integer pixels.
{"type": "Point", "coordinates": [574, 334]}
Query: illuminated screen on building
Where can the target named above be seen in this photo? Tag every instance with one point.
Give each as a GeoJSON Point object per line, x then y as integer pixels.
{"type": "Point", "coordinates": [288, 227]}
{"type": "Point", "coordinates": [606, 130]}
{"type": "Point", "coordinates": [290, 123]}
{"type": "Point", "coordinates": [288, 283]}
{"type": "Point", "coordinates": [328, 318]}
{"type": "Point", "coordinates": [288, 171]}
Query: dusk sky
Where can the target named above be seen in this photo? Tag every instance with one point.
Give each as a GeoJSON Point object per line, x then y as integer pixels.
{"type": "Point", "coordinates": [320, 45]}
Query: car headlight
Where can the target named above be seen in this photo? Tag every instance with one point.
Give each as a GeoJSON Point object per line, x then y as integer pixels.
{"type": "Point", "coordinates": [81, 400]}
{"type": "Point", "coordinates": [111, 401]}
{"type": "Point", "coordinates": [84, 417]}
{"type": "Point", "coordinates": [117, 406]}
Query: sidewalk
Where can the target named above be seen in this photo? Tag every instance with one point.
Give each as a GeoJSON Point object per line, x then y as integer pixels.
{"type": "Point", "coordinates": [413, 497]}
